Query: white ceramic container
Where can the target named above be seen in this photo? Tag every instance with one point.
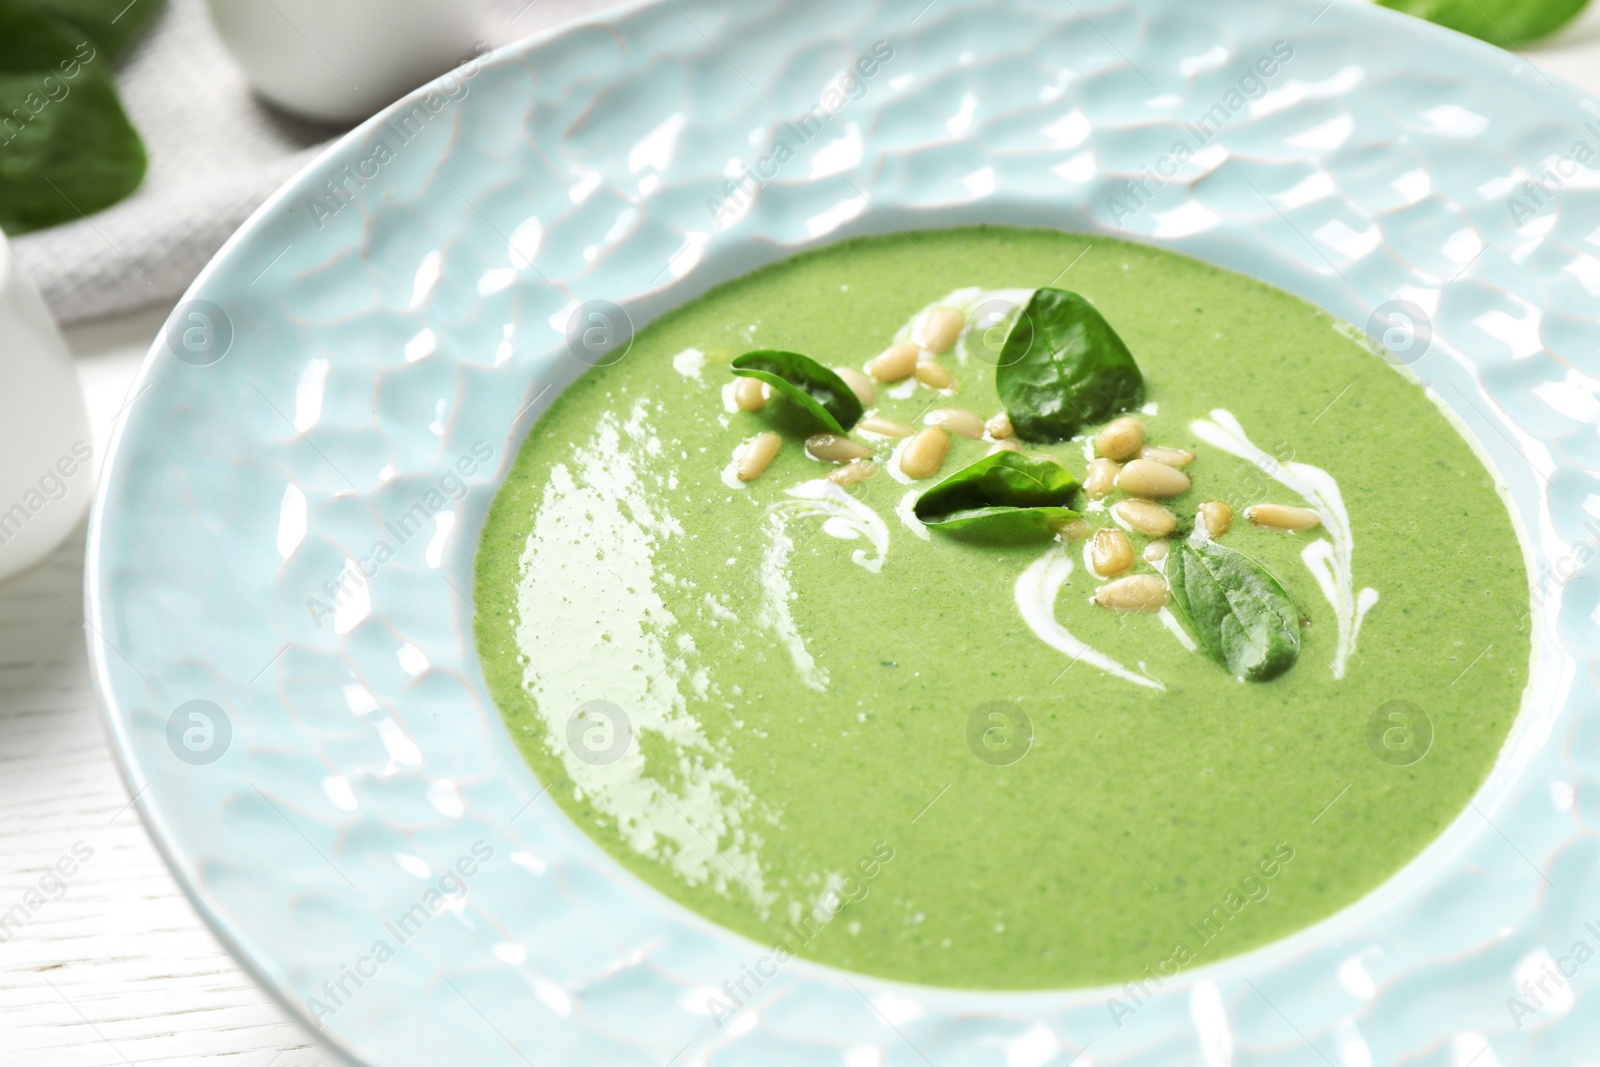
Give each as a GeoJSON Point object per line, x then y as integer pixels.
{"type": "Point", "coordinates": [46, 451]}
{"type": "Point", "coordinates": [340, 60]}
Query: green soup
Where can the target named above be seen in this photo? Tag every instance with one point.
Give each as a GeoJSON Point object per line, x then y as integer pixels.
{"type": "Point", "coordinates": [792, 710]}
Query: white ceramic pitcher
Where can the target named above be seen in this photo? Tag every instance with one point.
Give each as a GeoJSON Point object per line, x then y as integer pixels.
{"type": "Point", "coordinates": [341, 60]}
{"type": "Point", "coordinates": [46, 451]}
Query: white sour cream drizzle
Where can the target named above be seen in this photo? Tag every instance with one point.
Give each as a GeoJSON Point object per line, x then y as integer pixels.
{"type": "Point", "coordinates": [776, 594]}
{"type": "Point", "coordinates": [1170, 621]}
{"type": "Point", "coordinates": [1329, 563]}
{"type": "Point", "coordinates": [1037, 590]}
{"type": "Point", "coordinates": [843, 517]}
{"type": "Point", "coordinates": [906, 510]}
{"type": "Point", "coordinates": [893, 464]}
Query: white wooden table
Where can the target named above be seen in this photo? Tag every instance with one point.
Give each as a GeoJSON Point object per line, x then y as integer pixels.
{"type": "Point", "coordinates": [117, 968]}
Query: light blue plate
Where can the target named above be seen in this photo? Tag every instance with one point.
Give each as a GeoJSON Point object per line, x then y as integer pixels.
{"type": "Point", "coordinates": [391, 323]}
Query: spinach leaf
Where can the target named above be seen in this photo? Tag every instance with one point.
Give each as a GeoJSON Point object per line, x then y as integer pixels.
{"type": "Point", "coordinates": [1236, 609]}
{"type": "Point", "coordinates": [1004, 497]}
{"type": "Point", "coordinates": [1063, 367]}
{"type": "Point", "coordinates": [1504, 23]}
{"type": "Point", "coordinates": [66, 147]}
{"type": "Point", "coordinates": [808, 383]}
{"type": "Point", "coordinates": [111, 24]}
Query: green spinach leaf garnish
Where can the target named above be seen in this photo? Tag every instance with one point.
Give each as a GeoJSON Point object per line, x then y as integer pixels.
{"type": "Point", "coordinates": [1063, 367]}
{"type": "Point", "coordinates": [809, 384]}
{"type": "Point", "coordinates": [1236, 609]}
{"type": "Point", "coordinates": [66, 146]}
{"type": "Point", "coordinates": [1004, 497]}
{"type": "Point", "coordinates": [1503, 23]}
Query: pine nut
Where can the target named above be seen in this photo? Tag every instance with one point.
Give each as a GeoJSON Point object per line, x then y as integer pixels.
{"type": "Point", "coordinates": [1074, 529]}
{"type": "Point", "coordinates": [1137, 592]}
{"type": "Point", "coordinates": [923, 455]}
{"type": "Point", "coordinates": [756, 454]}
{"type": "Point", "coordinates": [831, 448]}
{"type": "Point", "coordinates": [1217, 518]}
{"type": "Point", "coordinates": [1172, 457]}
{"type": "Point", "coordinates": [1010, 444]}
{"type": "Point", "coordinates": [894, 364]}
{"type": "Point", "coordinates": [885, 427]}
{"type": "Point", "coordinates": [857, 470]}
{"type": "Point", "coordinates": [956, 420]}
{"type": "Point", "coordinates": [1145, 517]}
{"type": "Point", "coordinates": [750, 394]}
{"type": "Point", "coordinates": [999, 427]}
{"type": "Point", "coordinates": [933, 375]}
{"type": "Point", "coordinates": [1101, 477]}
{"type": "Point", "coordinates": [859, 384]}
{"type": "Point", "coordinates": [1147, 478]}
{"type": "Point", "coordinates": [941, 328]}
{"type": "Point", "coordinates": [1283, 517]}
{"type": "Point", "coordinates": [1155, 551]}
{"type": "Point", "coordinates": [1121, 439]}
{"type": "Point", "coordinates": [1110, 553]}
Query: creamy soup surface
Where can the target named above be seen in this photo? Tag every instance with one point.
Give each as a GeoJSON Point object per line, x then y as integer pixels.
{"type": "Point", "coordinates": [791, 707]}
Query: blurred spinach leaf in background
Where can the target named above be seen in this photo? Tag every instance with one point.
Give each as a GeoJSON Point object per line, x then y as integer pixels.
{"type": "Point", "coordinates": [66, 146]}
{"type": "Point", "coordinates": [110, 24]}
{"type": "Point", "coordinates": [1506, 23]}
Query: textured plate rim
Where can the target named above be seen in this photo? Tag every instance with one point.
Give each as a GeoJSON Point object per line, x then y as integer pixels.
{"type": "Point", "coordinates": [168, 841]}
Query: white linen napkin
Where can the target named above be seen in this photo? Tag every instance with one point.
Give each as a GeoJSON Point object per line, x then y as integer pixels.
{"type": "Point", "coordinates": [216, 152]}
